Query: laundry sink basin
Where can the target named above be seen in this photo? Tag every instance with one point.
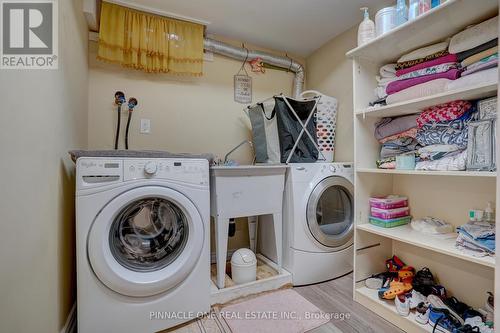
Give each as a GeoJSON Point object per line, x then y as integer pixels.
{"type": "Point", "coordinates": [246, 190]}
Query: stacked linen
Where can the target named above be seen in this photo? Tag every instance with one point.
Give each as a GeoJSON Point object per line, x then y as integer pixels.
{"type": "Point", "coordinates": [477, 238]}
{"type": "Point", "coordinates": [419, 69]}
{"type": "Point", "coordinates": [397, 137]}
{"type": "Point", "coordinates": [476, 47]}
{"type": "Point", "coordinates": [387, 74]}
{"type": "Point", "coordinates": [442, 132]}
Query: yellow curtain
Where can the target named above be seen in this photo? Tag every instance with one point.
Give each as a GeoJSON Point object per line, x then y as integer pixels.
{"type": "Point", "coordinates": [150, 43]}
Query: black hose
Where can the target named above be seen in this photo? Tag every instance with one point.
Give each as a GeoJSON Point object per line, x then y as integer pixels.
{"type": "Point", "coordinates": [126, 130]}
{"type": "Point", "coordinates": [117, 135]}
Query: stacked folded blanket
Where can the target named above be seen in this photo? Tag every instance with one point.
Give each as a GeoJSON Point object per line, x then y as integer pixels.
{"type": "Point", "coordinates": [477, 238]}
{"type": "Point", "coordinates": [442, 131]}
{"type": "Point", "coordinates": [387, 74]}
{"type": "Point", "coordinates": [427, 64]}
{"type": "Point", "coordinates": [397, 137]}
{"type": "Point", "coordinates": [437, 137]}
{"type": "Point", "coordinates": [477, 47]}
{"type": "Point", "coordinates": [435, 68]}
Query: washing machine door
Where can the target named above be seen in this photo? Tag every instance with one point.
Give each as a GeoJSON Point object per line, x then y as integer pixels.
{"type": "Point", "coordinates": [145, 241]}
{"type": "Point", "coordinates": [330, 212]}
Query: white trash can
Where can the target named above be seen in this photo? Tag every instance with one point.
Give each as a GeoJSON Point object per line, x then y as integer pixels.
{"type": "Point", "coordinates": [243, 266]}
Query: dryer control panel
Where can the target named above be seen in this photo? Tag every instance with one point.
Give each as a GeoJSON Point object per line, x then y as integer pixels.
{"type": "Point", "coordinates": [96, 172]}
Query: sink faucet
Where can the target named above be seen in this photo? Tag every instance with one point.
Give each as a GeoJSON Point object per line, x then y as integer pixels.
{"type": "Point", "coordinates": [250, 143]}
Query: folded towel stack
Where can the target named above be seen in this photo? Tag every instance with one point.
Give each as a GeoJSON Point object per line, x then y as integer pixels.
{"type": "Point", "coordinates": [397, 136]}
{"type": "Point", "coordinates": [477, 238]}
{"type": "Point", "coordinates": [443, 66]}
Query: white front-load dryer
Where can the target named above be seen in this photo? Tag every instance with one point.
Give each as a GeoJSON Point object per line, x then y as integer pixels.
{"type": "Point", "coordinates": [142, 243]}
{"type": "Point", "coordinates": [318, 221]}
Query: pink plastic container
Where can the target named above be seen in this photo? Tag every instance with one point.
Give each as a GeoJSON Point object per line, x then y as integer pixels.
{"type": "Point", "coordinates": [389, 202]}
{"type": "Point", "coordinates": [388, 214]}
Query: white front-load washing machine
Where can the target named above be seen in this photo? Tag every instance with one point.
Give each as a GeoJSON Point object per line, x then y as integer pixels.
{"type": "Point", "coordinates": [142, 238]}
{"type": "Point", "coordinates": [318, 221]}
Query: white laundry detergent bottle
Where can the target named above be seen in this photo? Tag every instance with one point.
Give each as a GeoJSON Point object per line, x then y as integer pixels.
{"type": "Point", "coordinates": [366, 30]}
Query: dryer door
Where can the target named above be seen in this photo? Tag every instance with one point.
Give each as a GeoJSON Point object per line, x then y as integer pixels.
{"type": "Point", "coordinates": [145, 241]}
{"type": "Point", "coordinates": [330, 213]}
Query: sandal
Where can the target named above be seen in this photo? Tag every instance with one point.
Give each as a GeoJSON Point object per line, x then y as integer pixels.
{"type": "Point", "coordinates": [396, 288]}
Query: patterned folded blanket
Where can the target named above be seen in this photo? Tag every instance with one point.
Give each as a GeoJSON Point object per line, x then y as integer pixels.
{"type": "Point", "coordinates": [454, 162]}
{"type": "Point", "coordinates": [429, 70]}
{"type": "Point", "coordinates": [411, 133]}
{"type": "Point", "coordinates": [443, 112]}
{"type": "Point", "coordinates": [446, 59]}
{"type": "Point", "coordinates": [410, 63]}
{"type": "Point", "coordinates": [398, 147]}
{"type": "Point", "coordinates": [396, 86]}
{"type": "Point", "coordinates": [443, 136]}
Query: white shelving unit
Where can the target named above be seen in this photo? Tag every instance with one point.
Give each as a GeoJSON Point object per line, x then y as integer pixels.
{"type": "Point", "coordinates": [448, 196]}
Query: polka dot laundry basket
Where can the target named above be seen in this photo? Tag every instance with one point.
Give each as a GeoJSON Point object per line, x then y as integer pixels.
{"type": "Point", "coordinates": [326, 122]}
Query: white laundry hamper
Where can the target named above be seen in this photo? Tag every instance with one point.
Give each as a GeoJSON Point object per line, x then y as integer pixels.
{"type": "Point", "coordinates": [326, 122]}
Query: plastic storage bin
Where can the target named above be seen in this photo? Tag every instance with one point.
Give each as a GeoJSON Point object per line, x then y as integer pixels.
{"type": "Point", "coordinates": [385, 20]}
{"type": "Point", "coordinates": [390, 223]}
{"type": "Point", "coordinates": [243, 266]}
{"type": "Point", "coordinates": [387, 214]}
{"type": "Point", "coordinates": [389, 202]}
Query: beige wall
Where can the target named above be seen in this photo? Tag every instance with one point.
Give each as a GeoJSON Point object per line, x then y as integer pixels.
{"type": "Point", "coordinates": [44, 114]}
{"type": "Point", "coordinates": [192, 115]}
{"type": "Point", "coordinates": [330, 72]}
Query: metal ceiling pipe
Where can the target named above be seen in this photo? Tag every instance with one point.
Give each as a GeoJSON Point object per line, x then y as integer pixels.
{"type": "Point", "coordinates": [240, 53]}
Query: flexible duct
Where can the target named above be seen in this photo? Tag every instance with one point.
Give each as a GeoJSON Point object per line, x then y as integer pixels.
{"type": "Point", "coordinates": [239, 53]}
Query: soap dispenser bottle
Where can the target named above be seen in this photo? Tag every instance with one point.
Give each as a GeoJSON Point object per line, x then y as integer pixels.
{"type": "Point", "coordinates": [366, 30]}
{"type": "Point", "coordinates": [489, 215]}
{"type": "Point", "coordinates": [401, 12]}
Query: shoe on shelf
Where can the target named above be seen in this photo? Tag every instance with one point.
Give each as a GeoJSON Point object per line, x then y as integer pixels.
{"type": "Point", "coordinates": [423, 281]}
{"type": "Point", "coordinates": [458, 307]}
{"type": "Point", "coordinates": [442, 320]}
{"type": "Point", "coordinates": [403, 304]}
{"type": "Point", "coordinates": [422, 318]}
{"type": "Point", "coordinates": [490, 309]}
{"type": "Point", "coordinates": [477, 322]}
{"type": "Point", "coordinates": [438, 304]}
{"type": "Point", "coordinates": [406, 273]}
{"type": "Point", "coordinates": [380, 280]}
{"type": "Point", "coordinates": [416, 299]}
{"type": "Point", "coordinates": [394, 264]}
{"type": "Point", "coordinates": [395, 288]}
{"type": "Point", "coordinates": [438, 291]}
{"type": "Point", "coordinates": [467, 329]}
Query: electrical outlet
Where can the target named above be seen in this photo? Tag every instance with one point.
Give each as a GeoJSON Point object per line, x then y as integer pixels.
{"type": "Point", "coordinates": [145, 126]}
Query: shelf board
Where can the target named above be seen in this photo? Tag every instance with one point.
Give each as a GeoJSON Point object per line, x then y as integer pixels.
{"type": "Point", "coordinates": [428, 173]}
{"type": "Point", "coordinates": [438, 244]}
{"type": "Point", "coordinates": [436, 25]}
{"type": "Point", "coordinates": [418, 104]}
{"type": "Point", "coordinates": [387, 310]}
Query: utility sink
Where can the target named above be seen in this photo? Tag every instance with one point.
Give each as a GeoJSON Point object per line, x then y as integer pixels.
{"type": "Point", "coordinates": [246, 190]}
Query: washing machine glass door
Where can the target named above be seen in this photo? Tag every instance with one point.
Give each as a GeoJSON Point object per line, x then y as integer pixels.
{"type": "Point", "coordinates": [145, 241]}
{"type": "Point", "coordinates": [330, 212]}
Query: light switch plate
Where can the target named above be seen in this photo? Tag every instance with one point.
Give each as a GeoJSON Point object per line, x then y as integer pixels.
{"type": "Point", "coordinates": [145, 126]}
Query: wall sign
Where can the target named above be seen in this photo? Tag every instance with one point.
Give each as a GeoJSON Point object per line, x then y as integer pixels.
{"type": "Point", "coordinates": [242, 89]}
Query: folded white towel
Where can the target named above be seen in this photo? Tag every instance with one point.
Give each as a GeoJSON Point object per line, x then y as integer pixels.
{"type": "Point", "coordinates": [474, 36]}
{"type": "Point", "coordinates": [388, 70]}
{"type": "Point", "coordinates": [424, 51]}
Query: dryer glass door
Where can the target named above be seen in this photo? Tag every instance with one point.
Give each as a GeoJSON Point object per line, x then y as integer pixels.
{"type": "Point", "coordinates": [330, 212]}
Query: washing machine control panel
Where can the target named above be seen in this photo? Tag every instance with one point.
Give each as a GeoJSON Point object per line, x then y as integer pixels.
{"type": "Point", "coordinates": [97, 172]}
{"type": "Point", "coordinates": [185, 170]}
